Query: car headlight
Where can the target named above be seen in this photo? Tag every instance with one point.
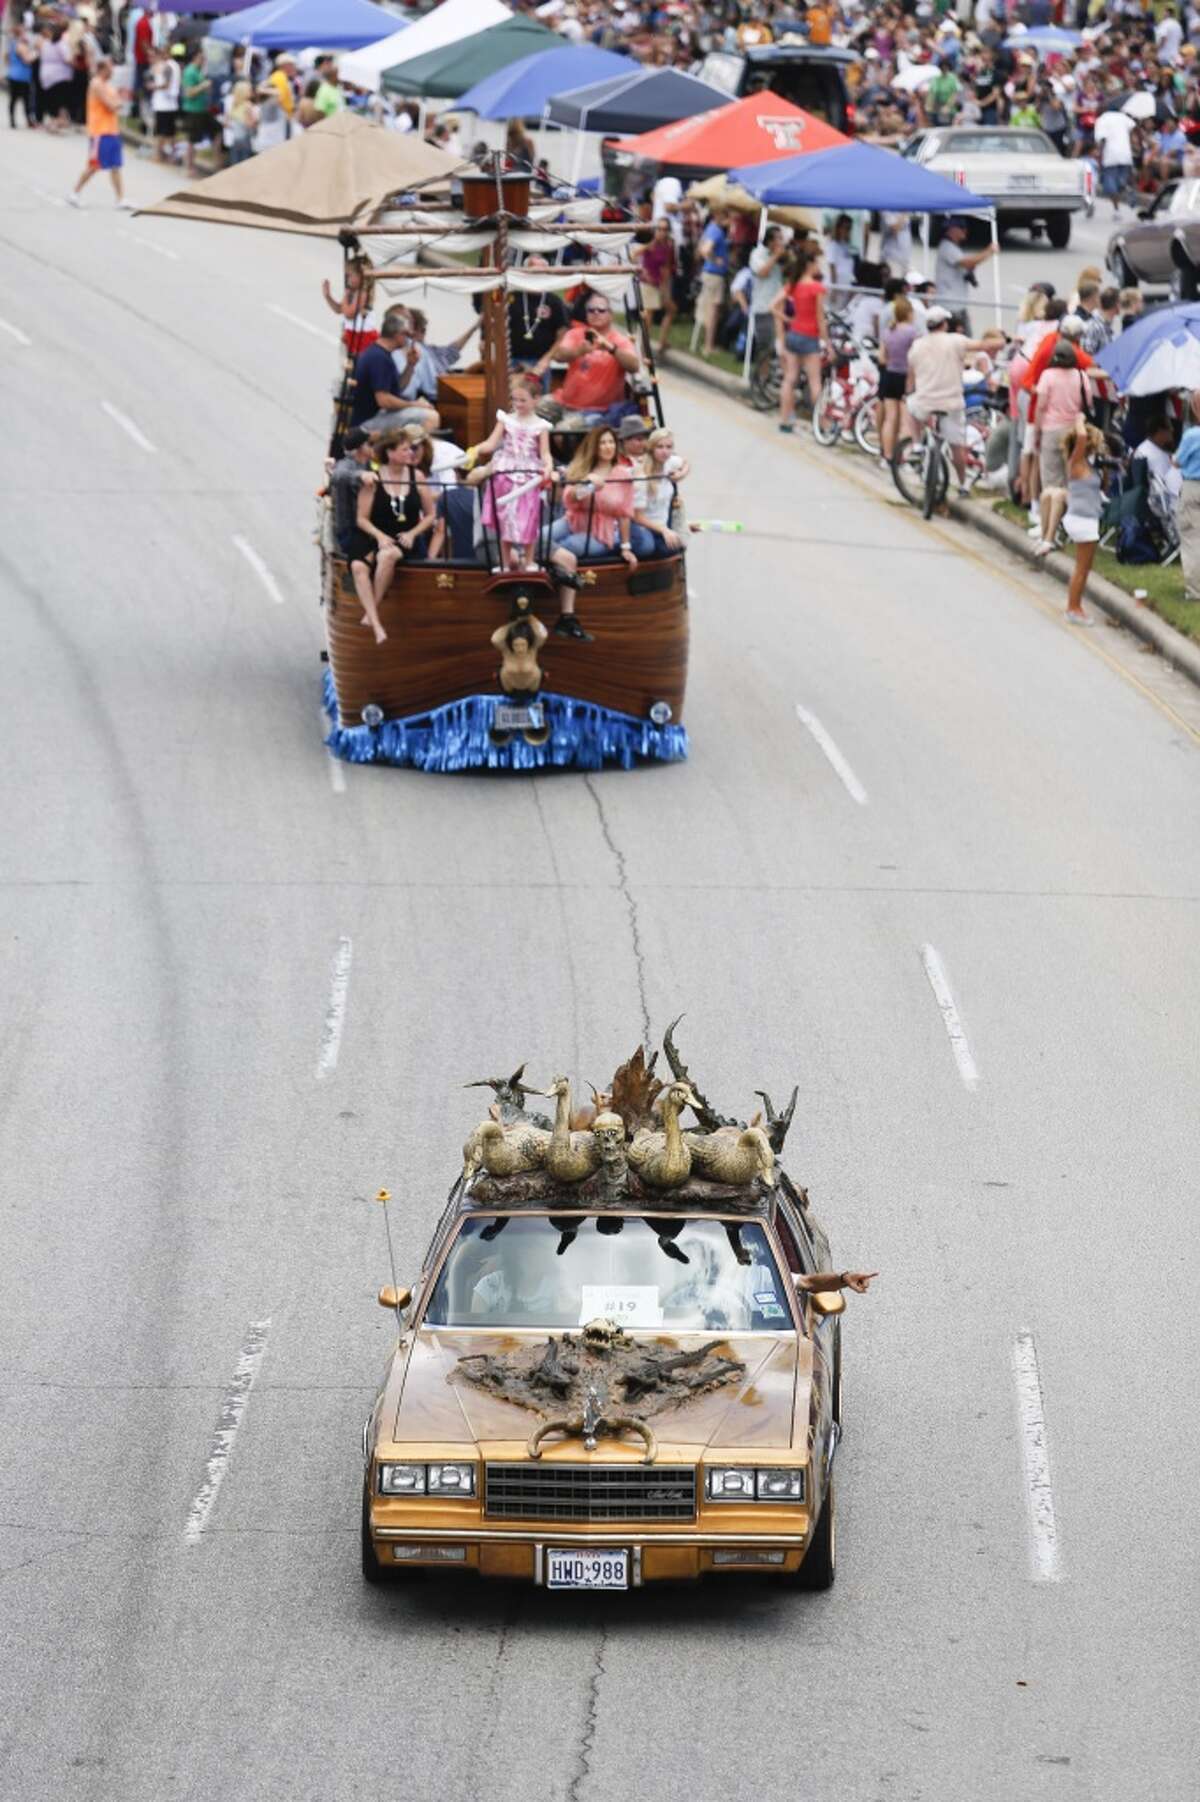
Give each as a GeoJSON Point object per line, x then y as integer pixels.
{"type": "Point", "coordinates": [743, 1483]}
{"type": "Point", "coordinates": [780, 1485]}
{"type": "Point", "coordinates": [451, 1479]}
{"type": "Point", "coordinates": [402, 1479]}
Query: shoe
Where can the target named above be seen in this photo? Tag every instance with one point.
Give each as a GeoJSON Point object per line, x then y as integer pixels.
{"type": "Point", "coordinates": [126, 206]}
{"type": "Point", "coordinates": [567, 626]}
{"type": "Point", "coordinates": [785, 425]}
{"type": "Point", "coordinates": [964, 493]}
{"type": "Point", "coordinates": [1078, 619]}
{"type": "Point", "coordinates": [1044, 548]}
{"type": "Point", "coordinates": [1035, 531]}
{"type": "Point", "coordinates": [74, 200]}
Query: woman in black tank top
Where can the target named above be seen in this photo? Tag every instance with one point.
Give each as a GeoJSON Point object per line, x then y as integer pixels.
{"type": "Point", "coordinates": [395, 508]}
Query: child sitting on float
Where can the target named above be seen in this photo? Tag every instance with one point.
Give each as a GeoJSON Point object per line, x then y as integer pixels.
{"type": "Point", "coordinates": [519, 448]}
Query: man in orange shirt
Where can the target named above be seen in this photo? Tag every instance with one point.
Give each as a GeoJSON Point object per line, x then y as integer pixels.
{"type": "Point", "coordinates": [104, 134]}
{"type": "Point", "coordinates": [599, 356]}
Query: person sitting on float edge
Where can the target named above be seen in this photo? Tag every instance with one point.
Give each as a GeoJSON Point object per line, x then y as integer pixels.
{"type": "Point", "coordinates": [378, 400]}
{"type": "Point", "coordinates": [599, 358]}
{"type": "Point", "coordinates": [654, 495]}
{"type": "Point", "coordinates": [597, 518]}
{"type": "Point", "coordinates": [394, 508]}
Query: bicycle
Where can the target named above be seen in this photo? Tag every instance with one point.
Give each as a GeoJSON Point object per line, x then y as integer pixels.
{"type": "Point", "coordinates": [766, 380]}
{"type": "Point", "coordinates": [921, 467]}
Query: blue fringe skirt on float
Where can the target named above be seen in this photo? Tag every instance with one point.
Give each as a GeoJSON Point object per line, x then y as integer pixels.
{"type": "Point", "coordinates": [458, 736]}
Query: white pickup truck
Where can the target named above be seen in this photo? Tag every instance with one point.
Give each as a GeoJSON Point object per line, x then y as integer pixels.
{"type": "Point", "coordinates": [1015, 167]}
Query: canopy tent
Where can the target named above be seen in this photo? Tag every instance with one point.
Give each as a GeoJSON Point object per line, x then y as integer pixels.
{"type": "Point", "coordinates": [447, 72]}
{"type": "Point", "coordinates": [758, 129]}
{"type": "Point", "coordinates": [522, 89]}
{"type": "Point", "coordinates": [297, 24]}
{"type": "Point", "coordinates": [448, 23]}
{"type": "Point", "coordinates": [337, 175]}
{"type": "Point", "coordinates": [1157, 353]}
{"type": "Point", "coordinates": [635, 102]}
{"type": "Point", "coordinates": [719, 191]}
{"type": "Point", "coordinates": [857, 177]}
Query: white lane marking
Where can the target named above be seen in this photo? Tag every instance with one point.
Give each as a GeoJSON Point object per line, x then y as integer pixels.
{"type": "Point", "coordinates": [13, 332]}
{"type": "Point", "coordinates": [337, 776]}
{"type": "Point", "coordinates": [854, 787]}
{"type": "Point", "coordinates": [260, 568]}
{"type": "Point", "coordinates": [335, 1013]}
{"type": "Point", "coordinates": [1043, 1528]}
{"type": "Point", "coordinates": [939, 982]}
{"type": "Point", "coordinates": [126, 424]}
{"type": "Point", "coordinates": [305, 325]}
{"type": "Point", "coordinates": [233, 1406]}
{"type": "Point", "coordinates": [159, 250]}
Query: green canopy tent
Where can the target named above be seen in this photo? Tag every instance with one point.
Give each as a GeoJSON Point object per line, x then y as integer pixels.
{"type": "Point", "coordinates": [446, 73]}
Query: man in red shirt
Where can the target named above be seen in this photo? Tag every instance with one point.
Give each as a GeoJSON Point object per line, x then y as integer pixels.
{"type": "Point", "coordinates": [599, 356]}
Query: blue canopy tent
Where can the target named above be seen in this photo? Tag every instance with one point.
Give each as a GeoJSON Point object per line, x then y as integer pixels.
{"type": "Point", "coordinates": [303, 24]}
{"type": "Point", "coordinates": [635, 101]}
{"type": "Point", "coordinates": [523, 89]}
{"type": "Point", "coordinates": [1158, 352]}
{"type": "Point", "coordinates": [862, 178]}
{"type": "Point", "coordinates": [856, 178]}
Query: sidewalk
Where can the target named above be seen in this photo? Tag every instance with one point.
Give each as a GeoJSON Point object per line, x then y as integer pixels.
{"type": "Point", "coordinates": [1179, 651]}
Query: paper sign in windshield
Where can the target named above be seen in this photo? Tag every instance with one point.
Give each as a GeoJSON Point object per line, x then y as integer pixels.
{"type": "Point", "coordinates": [629, 1304]}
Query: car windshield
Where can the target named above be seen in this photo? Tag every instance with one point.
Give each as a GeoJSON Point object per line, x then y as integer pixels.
{"type": "Point", "coordinates": [532, 1270]}
{"type": "Point", "coordinates": [998, 143]}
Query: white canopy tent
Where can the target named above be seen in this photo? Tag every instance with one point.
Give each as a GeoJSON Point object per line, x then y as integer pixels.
{"type": "Point", "coordinates": [446, 24]}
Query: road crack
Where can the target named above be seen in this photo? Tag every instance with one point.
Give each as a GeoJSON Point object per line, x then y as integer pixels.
{"type": "Point", "coordinates": [587, 1737]}
{"type": "Point", "coordinates": [631, 905]}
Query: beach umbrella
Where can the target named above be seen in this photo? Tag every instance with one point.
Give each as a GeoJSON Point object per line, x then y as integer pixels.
{"type": "Point", "coordinates": [917, 75]}
{"type": "Point", "coordinates": [1157, 353]}
{"type": "Point", "coordinates": [1141, 105]}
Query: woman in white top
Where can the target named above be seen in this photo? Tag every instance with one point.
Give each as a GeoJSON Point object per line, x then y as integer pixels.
{"type": "Point", "coordinates": [654, 496]}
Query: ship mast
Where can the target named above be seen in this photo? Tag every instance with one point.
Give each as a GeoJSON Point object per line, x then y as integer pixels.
{"type": "Point", "coordinates": [494, 334]}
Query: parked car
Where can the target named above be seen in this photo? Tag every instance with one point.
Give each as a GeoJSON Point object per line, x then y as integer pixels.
{"type": "Point", "coordinates": [810, 76]}
{"type": "Point", "coordinates": [1141, 250]}
{"type": "Point", "coordinates": [1015, 167]}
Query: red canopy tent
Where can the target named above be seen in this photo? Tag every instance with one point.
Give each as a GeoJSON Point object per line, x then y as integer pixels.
{"type": "Point", "coordinates": [758, 129]}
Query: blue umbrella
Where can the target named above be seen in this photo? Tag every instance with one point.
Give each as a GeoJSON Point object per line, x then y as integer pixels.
{"type": "Point", "coordinates": [303, 24]}
{"type": "Point", "coordinates": [1047, 38]}
{"type": "Point", "coordinates": [857, 177]}
{"type": "Point", "coordinates": [522, 90]}
{"type": "Point", "coordinates": [1157, 353]}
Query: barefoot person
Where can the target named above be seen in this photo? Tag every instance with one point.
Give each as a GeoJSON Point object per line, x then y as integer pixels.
{"type": "Point", "coordinates": [1085, 503]}
{"type": "Point", "coordinates": [104, 134]}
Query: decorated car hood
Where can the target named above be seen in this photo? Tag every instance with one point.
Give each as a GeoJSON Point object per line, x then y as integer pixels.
{"type": "Point", "coordinates": [755, 1408]}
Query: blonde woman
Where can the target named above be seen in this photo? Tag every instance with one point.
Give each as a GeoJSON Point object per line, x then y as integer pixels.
{"type": "Point", "coordinates": [241, 121]}
{"type": "Point", "coordinates": [395, 507]}
{"type": "Point", "coordinates": [1082, 446]}
{"type": "Point", "coordinates": [597, 519]}
{"type": "Point", "coordinates": [654, 495]}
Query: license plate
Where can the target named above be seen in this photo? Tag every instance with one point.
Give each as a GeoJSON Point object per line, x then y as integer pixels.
{"type": "Point", "coordinates": [586, 1570]}
{"type": "Point", "coordinates": [1023, 181]}
{"type": "Point", "coordinates": [519, 719]}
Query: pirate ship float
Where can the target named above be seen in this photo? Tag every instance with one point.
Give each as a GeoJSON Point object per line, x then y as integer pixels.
{"type": "Point", "coordinates": [441, 692]}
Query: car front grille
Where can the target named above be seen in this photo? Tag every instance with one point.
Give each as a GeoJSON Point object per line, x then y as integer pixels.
{"type": "Point", "coordinates": [590, 1492]}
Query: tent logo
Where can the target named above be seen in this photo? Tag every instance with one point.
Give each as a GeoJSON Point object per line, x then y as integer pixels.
{"type": "Point", "coordinates": [785, 134]}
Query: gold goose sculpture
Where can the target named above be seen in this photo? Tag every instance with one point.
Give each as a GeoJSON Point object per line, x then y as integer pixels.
{"type": "Point", "coordinates": [664, 1159]}
{"type": "Point", "coordinates": [732, 1155]}
{"type": "Point", "coordinates": [507, 1150]}
{"type": "Point", "coordinates": [570, 1156]}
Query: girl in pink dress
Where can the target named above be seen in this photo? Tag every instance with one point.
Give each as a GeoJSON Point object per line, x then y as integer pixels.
{"type": "Point", "coordinates": [519, 447]}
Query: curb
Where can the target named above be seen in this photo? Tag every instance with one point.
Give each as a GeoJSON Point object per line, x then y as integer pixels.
{"type": "Point", "coordinates": [1177, 651]}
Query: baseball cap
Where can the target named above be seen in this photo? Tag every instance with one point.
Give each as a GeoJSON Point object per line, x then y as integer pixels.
{"type": "Point", "coordinates": [938, 315]}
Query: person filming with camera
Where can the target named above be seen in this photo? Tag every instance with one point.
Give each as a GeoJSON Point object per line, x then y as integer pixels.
{"type": "Point", "coordinates": [954, 270]}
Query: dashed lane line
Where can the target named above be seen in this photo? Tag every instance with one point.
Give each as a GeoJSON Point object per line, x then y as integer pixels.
{"type": "Point", "coordinates": [1045, 1563]}
{"type": "Point", "coordinates": [127, 426]}
{"type": "Point", "coordinates": [260, 568]}
{"type": "Point", "coordinates": [850, 781]}
{"type": "Point", "coordinates": [335, 1012]}
{"type": "Point", "coordinates": [233, 1406]}
{"type": "Point", "coordinates": [939, 982]}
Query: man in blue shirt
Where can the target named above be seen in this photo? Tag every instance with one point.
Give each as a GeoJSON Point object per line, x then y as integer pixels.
{"type": "Point", "coordinates": [378, 390]}
{"type": "Point", "coordinates": [714, 267]}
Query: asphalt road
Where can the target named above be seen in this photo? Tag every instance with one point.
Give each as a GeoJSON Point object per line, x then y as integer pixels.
{"type": "Point", "coordinates": [199, 912]}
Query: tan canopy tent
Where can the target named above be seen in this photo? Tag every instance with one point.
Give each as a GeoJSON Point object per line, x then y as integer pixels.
{"type": "Point", "coordinates": [334, 176]}
{"type": "Point", "coordinates": [718, 190]}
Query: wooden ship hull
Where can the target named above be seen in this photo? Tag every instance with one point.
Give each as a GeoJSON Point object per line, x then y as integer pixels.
{"type": "Point", "coordinates": [430, 695]}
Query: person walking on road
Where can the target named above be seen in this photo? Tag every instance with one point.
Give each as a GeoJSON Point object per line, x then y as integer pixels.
{"type": "Point", "coordinates": [105, 150]}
